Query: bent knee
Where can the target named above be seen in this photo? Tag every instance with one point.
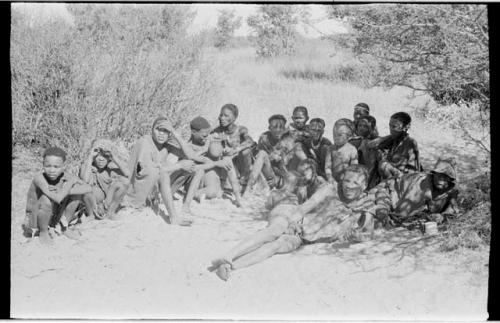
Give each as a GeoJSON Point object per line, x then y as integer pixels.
{"type": "Point", "coordinates": [288, 243]}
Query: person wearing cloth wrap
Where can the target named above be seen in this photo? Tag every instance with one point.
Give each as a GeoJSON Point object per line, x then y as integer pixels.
{"type": "Point", "coordinates": [429, 195]}
{"type": "Point", "coordinates": [236, 141]}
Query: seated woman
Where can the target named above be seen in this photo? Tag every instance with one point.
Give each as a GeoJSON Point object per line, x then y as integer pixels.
{"type": "Point", "coordinates": [236, 141]}
{"type": "Point", "coordinates": [208, 178]}
{"type": "Point", "coordinates": [106, 181]}
{"type": "Point", "coordinates": [149, 168]}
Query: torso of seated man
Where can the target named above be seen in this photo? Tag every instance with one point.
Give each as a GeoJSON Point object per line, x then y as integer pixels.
{"type": "Point", "coordinates": [267, 142]}
{"type": "Point", "coordinates": [231, 136]}
{"type": "Point", "coordinates": [401, 153]}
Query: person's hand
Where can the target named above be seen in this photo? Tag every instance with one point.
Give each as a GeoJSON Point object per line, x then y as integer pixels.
{"type": "Point", "coordinates": [275, 156]}
{"type": "Point", "coordinates": [226, 163]}
{"type": "Point", "coordinates": [436, 217]}
{"type": "Point", "coordinates": [94, 152]}
{"type": "Point", "coordinates": [187, 165]}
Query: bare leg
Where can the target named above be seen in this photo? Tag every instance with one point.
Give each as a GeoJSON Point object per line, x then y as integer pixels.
{"type": "Point", "coordinates": [91, 205]}
{"type": "Point", "coordinates": [284, 244]}
{"type": "Point", "coordinates": [193, 188]}
{"type": "Point", "coordinates": [235, 184]}
{"type": "Point", "coordinates": [117, 199]}
{"type": "Point", "coordinates": [44, 214]}
{"type": "Point", "coordinates": [256, 168]}
{"type": "Point", "coordinates": [69, 215]}
{"type": "Point", "coordinates": [275, 229]}
{"type": "Point", "coordinates": [166, 195]}
{"type": "Point", "coordinates": [213, 188]}
{"type": "Point", "coordinates": [244, 163]}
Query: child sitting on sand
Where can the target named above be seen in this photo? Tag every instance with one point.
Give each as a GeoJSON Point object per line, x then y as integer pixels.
{"type": "Point", "coordinates": [208, 177]}
{"type": "Point", "coordinates": [432, 195]}
{"type": "Point", "coordinates": [54, 196]}
{"type": "Point", "coordinates": [316, 147]}
{"type": "Point", "coordinates": [399, 151]}
{"type": "Point", "coordinates": [341, 154]}
{"type": "Point", "coordinates": [366, 156]}
{"type": "Point", "coordinates": [106, 181]}
{"type": "Point", "coordinates": [236, 141]}
{"type": "Point", "coordinates": [268, 142]}
{"type": "Point", "coordinates": [299, 128]}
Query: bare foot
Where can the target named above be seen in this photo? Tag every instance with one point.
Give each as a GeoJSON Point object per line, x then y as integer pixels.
{"type": "Point", "coordinates": [223, 271]}
{"type": "Point", "coordinates": [182, 221]}
{"type": "Point", "coordinates": [74, 234]}
{"type": "Point", "coordinates": [45, 238]}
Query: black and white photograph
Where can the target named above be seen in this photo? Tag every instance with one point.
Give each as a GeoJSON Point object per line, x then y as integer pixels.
{"type": "Point", "coordinates": [250, 161]}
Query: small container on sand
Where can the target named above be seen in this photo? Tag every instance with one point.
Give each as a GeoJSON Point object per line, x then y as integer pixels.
{"type": "Point", "coordinates": [430, 228]}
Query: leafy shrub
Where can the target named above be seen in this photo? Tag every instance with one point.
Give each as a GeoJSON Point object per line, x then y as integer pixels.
{"type": "Point", "coordinates": [106, 76]}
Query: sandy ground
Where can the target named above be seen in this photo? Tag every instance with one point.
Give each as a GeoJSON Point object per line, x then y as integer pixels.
{"type": "Point", "coordinates": [141, 267]}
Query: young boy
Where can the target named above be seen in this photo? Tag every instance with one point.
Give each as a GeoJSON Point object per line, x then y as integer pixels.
{"type": "Point", "coordinates": [399, 151]}
{"type": "Point", "coordinates": [287, 155]}
{"type": "Point", "coordinates": [341, 154]}
{"type": "Point", "coordinates": [52, 194]}
{"type": "Point", "coordinates": [106, 182]}
{"type": "Point", "coordinates": [310, 181]}
{"type": "Point", "coordinates": [366, 156]}
{"type": "Point", "coordinates": [267, 143]}
{"type": "Point", "coordinates": [211, 175]}
{"type": "Point", "coordinates": [412, 194]}
{"type": "Point", "coordinates": [236, 141]}
{"type": "Point", "coordinates": [298, 127]}
{"type": "Point", "coordinates": [317, 146]}
{"type": "Point", "coordinates": [285, 233]}
{"type": "Point", "coordinates": [198, 142]}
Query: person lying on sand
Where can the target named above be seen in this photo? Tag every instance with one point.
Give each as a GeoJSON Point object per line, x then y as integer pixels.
{"type": "Point", "coordinates": [209, 177]}
{"type": "Point", "coordinates": [431, 195]}
{"type": "Point", "coordinates": [106, 181]}
{"type": "Point", "coordinates": [291, 225]}
{"type": "Point", "coordinates": [54, 197]}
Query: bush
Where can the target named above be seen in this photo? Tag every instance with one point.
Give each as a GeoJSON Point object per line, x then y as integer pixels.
{"type": "Point", "coordinates": [472, 229]}
{"type": "Point", "coordinates": [227, 23]}
{"type": "Point", "coordinates": [107, 76]}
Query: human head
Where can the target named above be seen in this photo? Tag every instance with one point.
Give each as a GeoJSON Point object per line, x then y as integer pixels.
{"type": "Point", "coordinates": [215, 149]}
{"type": "Point", "coordinates": [399, 123]}
{"type": "Point", "coordinates": [342, 131]}
{"type": "Point", "coordinates": [353, 182]}
{"type": "Point", "coordinates": [102, 159]}
{"type": "Point", "coordinates": [361, 109]}
{"type": "Point", "coordinates": [300, 116]}
{"type": "Point", "coordinates": [365, 125]}
{"type": "Point", "coordinates": [53, 162]}
{"type": "Point", "coordinates": [287, 141]}
{"type": "Point", "coordinates": [444, 174]}
{"type": "Point", "coordinates": [200, 129]}
{"type": "Point", "coordinates": [307, 170]}
{"type": "Point", "coordinates": [277, 125]}
{"type": "Point", "coordinates": [161, 131]}
{"type": "Point", "coordinates": [228, 114]}
{"type": "Point", "coordinates": [317, 128]}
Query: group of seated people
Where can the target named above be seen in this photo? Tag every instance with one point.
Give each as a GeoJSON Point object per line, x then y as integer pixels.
{"type": "Point", "coordinates": [319, 191]}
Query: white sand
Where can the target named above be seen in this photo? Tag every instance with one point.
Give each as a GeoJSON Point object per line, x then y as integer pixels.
{"type": "Point", "coordinates": [141, 267]}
